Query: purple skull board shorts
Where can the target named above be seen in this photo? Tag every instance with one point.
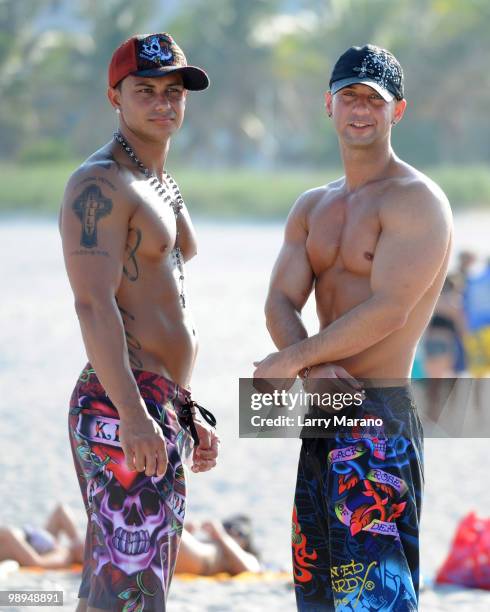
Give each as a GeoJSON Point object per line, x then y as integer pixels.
{"type": "Point", "coordinates": [134, 521]}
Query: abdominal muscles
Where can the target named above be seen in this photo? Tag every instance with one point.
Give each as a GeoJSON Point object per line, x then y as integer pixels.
{"type": "Point", "coordinates": [160, 334]}
{"type": "Point", "coordinates": [392, 356]}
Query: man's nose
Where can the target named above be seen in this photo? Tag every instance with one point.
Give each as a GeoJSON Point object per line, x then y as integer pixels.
{"type": "Point", "coordinates": [163, 101]}
{"type": "Point", "coordinates": [361, 105]}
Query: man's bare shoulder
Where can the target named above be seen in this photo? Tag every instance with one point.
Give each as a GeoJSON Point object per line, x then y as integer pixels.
{"type": "Point", "coordinates": [101, 181]}
{"type": "Point", "coordinates": [415, 197]}
{"type": "Point", "coordinates": [312, 198]}
{"type": "Point", "coordinates": [102, 169]}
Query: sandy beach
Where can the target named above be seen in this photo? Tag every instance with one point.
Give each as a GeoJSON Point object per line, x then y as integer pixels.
{"type": "Point", "coordinates": [42, 355]}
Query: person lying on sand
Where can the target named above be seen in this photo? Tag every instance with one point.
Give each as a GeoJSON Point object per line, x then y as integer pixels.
{"type": "Point", "coordinates": [206, 549]}
{"type": "Point", "coordinates": [31, 545]}
{"type": "Point", "coordinates": [213, 547]}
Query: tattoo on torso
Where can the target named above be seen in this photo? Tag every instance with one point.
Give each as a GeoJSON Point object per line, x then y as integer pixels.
{"type": "Point", "coordinates": [90, 207]}
{"type": "Point", "coordinates": [130, 268]}
{"type": "Point", "coordinates": [132, 342]}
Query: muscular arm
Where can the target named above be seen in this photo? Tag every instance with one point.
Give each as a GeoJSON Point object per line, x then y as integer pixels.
{"type": "Point", "coordinates": [414, 241]}
{"type": "Point", "coordinates": [94, 227]}
{"type": "Point", "coordinates": [291, 282]}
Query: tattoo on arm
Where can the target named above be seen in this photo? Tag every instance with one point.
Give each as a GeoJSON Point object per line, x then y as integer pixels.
{"type": "Point", "coordinates": [132, 343]}
{"type": "Point", "coordinates": [130, 269]}
{"type": "Point", "coordinates": [95, 179]}
{"type": "Point", "coordinates": [90, 207]}
{"type": "Point", "coordinates": [96, 252]}
{"type": "Point", "coordinates": [109, 162]}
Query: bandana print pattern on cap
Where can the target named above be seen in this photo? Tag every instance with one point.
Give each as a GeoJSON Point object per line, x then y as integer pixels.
{"type": "Point", "coordinates": [157, 50]}
{"type": "Point", "coordinates": [380, 67]}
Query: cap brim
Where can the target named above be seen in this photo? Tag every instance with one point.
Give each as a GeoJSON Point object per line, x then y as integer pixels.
{"type": "Point", "coordinates": [194, 78]}
{"type": "Point", "coordinates": [384, 93]}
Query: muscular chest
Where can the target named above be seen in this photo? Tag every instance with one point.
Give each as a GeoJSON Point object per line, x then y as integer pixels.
{"type": "Point", "coordinates": [152, 229]}
{"type": "Point", "coordinates": [343, 234]}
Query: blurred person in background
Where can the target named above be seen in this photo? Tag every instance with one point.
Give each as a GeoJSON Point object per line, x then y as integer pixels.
{"type": "Point", "coordinates": [476, 300]}
{"type": "Point", "coordinates": [443, 338]}
{"type": "Point", "coordinates": [443, 347]}
{"type": "Point", "coordinates": [213, 547]}
{"type": "Point", "coordinates": [42, 546]}
{"type": "Point", "coordinates": [466, 261]}
{"type": "Point", "coordinates": [207, 548]}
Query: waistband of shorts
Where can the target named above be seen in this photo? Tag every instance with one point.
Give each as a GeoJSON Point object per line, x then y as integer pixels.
{"type": "Point", "coordinates": [396, 397]}
{"type": "Point", "coordinates": [151, 385]}
{"type": "Point", "coordinates": [389, 389]}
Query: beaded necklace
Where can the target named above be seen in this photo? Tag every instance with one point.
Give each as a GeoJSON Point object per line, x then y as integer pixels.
{"type": "Point", "coordinates": [170, 195]}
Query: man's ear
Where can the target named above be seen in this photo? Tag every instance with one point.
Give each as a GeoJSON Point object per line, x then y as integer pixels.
{"type": "Point", "coordinates": [328, 102]}
{"type": "Point", "coordinates": [114, 97]}
{"type": "Point", "coordinates": [400, 106]}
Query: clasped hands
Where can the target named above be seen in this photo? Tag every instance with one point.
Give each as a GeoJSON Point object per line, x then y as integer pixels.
{"type": "Point", "coordinates": [278, 368]}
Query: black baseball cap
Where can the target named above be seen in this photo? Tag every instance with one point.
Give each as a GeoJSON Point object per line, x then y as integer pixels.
{"type": "Point", "coordinates": [369, 65]}
{"type": "Point", "coordinates": [154, 55]}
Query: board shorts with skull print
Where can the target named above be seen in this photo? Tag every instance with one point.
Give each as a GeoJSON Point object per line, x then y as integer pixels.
{"type": "Point", "coordinates": [134, 521]}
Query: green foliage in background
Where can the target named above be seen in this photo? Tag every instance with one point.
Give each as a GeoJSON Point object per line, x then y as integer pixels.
{"type": "Point", "coordinates": [53, 82]}
{"type": "Point", "coordinates": [225, 194]}
{"type": "Point", "coordinates": [263, 118]}
{"type": "Point", "coordinates": [269, 63]}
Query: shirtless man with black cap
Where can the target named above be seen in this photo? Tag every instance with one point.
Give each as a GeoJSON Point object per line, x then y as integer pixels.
{"type": "Point", "coordinates": [375, 246]}
{"type": "Point", "coordinates": [126, 235]}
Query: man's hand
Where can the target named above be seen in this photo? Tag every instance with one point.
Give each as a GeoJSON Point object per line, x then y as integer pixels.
{"type": "Point", "coordinates": [205, 455]}
{"type": "Point", "coordinates": [274, 365]}
{"type": "Point", "coordinates": [331, 378]}
{"type": "Point", "coordinates": [143, 445]}
{"type": "Point", "coordinates": [269, 374]}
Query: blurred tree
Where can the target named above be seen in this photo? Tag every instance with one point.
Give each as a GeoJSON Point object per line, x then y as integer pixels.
{"type": "Point", "coordinates": [109, 23]}
{"type": "Point", "coordinates": [16, 39]}
{"type": "Point", "coordinates": [54, 81]}
{"type": "Point", "coordinates": [443, 46]}
{"type": "Point", "coordinates": [226, 126]}
{"type": "Point", "coordinates": [269, 63]}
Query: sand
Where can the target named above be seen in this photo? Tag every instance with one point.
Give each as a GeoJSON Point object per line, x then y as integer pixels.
{"type": "Point", "coordinates": [42, 354]}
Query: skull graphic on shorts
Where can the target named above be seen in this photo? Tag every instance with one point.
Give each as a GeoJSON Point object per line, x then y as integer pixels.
{"type": "Point", "coordinates": [132, 522]}
{"type": "Point", "coordinates": [374, 435]}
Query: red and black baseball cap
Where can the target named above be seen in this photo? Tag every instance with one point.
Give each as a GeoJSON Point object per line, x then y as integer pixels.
{"type": "Point", "coordinates": [154, 55]}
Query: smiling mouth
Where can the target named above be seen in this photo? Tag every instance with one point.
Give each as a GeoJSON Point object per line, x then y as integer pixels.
{"type": "Point", "coordinates": [162, 119]}
{"type": "Point", "coordinates": [360, 124]}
